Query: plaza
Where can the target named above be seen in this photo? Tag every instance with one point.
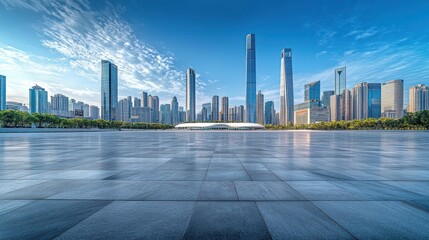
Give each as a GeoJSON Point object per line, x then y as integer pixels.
{"type": "Point", "coordinates": [214, 185]}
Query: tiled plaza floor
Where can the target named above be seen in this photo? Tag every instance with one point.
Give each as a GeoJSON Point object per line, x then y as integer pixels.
{"type": "Point", "coordinates": [215, 185]}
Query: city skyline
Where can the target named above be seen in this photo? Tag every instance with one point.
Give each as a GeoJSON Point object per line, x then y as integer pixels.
{"type": "Point", "coordinates": [73, 71]}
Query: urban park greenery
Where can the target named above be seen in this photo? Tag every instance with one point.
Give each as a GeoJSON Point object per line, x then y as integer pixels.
{"type": "Point", "coordinates": [18, 119]}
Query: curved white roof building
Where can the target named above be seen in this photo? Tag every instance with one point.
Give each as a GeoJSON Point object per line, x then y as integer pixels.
{"type": "Point", "coordinates": [219, 126]}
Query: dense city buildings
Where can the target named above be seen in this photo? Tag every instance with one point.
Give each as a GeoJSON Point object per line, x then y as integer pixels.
{"type": "Point", "coordinates": [250, 79]}
{"type": "Point", "coordinates": [140, 114]}
{"type": "Point", "coordinates": [418, 98]}
{"type": "Point", "coordinates": [326, 96]}
{"type": "Point", "coordinates": [60, 105]}
{"type": "Point", "coordinates": [124, 112]}
{"type": "Point", "coordinates": [190, 95]}
{"type": "Point", "coordinates": [392, 99]}
{"type": "Point", "coordinates": [311, 110]}
{"type": "Point", "coordinates": [312, 91]}
{"type": "Point", "coordinates": [270, 112]}
{"type": "Point", "coordinates": [340, 102]}
{"type": "Point", "coordinates": [94, 112]}
{"type": "Point", "coordinates": [206, 112]}
{"type": "Point", "coordinates": [137, 102]}
{"type": "Point", "coordinates": [109, 90]}
{"type": "Point", "coordinates": [153, 102]}
{"type": "Point", "coordinates": [166, 113]}
{"type": "Point", "coordinates": [215, 108]}
{"type": "Point", "coordinates": [260, 118]}
{"type": "Point", "coordinates": [225, 108]}
{"type": "Point", "coordinates": [2, 92]}
{"type": "Point", "coordinates": [38, 100]}
{"type": "Point", "coordinates": [286, 87]}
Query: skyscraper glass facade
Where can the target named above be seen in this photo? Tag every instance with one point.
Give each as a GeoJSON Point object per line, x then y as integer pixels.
{"type": "Point", "coordinates": [109, 90]}
{"type": "Point", "coordinates": [374, 100]}
{"type": "Point", "coordinates": [2, 92]}
{"type": "Point", "coordinates": [312, 91]}
{"type": "Point", "coordinates": [215, 108]}
{"type": "Point", "coordinates": [340, 80]}
{"type": "Point", "coordinates": [286, 87]}
{"type": "Point", "coordinates": [190, 95]}
{"type": "Point", "coordinates": [250, 79]}
{"type": "Point", "coordinates": [38, 100]}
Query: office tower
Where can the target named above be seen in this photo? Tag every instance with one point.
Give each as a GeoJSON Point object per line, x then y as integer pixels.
{"type": "Point", "coordinates": [225, 106]}
{"type": "Point", "coordinates": [86, 110]}
{"type": "Point", "coordinates": [204, 115]}
{"type": "Point", "coordinates": [418, 98]}
{"type": "Point", "coordinates": [123, 110]}
{"type": "Point", "coordinates": [326, 98]}
{"type": "Point", "coordinates": [166, 113]}
{"type": "Point", "coordinates": [60, 105]}
{"type": "Point", "coordinates": [2, 92]}
{"type": "Point", "coordinates": [250, 79]}
{"type": "Point", "coordinates": [38, 100]}
{"type": "Point", "coordinates": [174, 111]}
{"type": "Point", "coordinates": [215, 108]}
{"type": "Point", "coordinates": [109, 90]}
{"type": "Point", "coordinates": [208, 107]}
{"type": "Point", "coordinates": [366, 101]}
{"type": "Point", "coordinates": [340, 80]}
{"type": "Point", "coordinates": [130, 105]}
{"type": "Point", "coordinates": [182, 114]}
{"type": "Point", "coordinates": [286, 87]}
{"type": "Point", "coordinates": [392, 99]}
{"type": "Point", "coordinates": [346, 105]}
{"type": "Point", "coordinates": [190, 95]}
{"type": "Point", "coordinates": [269, 112]}
{"type": "Point", "coordinates": [312, 91]}
{"type": "Point", "coordinates": [94, 112]}
{"type": "Point", "coordinates": [335, 110]}
{"type": "Point", "coordinates": [137, 102]}
{"type": "Point", "coordinates": [153, 102]}
{"type": "Point", "coordinates": [144, 100]}
{"type": "Point", "coordinates": [260, 108]}
{"type": "Point", "coordinates": [231, 114]}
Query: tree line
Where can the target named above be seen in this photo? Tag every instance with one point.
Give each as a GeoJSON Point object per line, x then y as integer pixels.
{"type": "Point", "coordinates": [18, 119]}
{"type": "Point", "coordinates": [411, 121]}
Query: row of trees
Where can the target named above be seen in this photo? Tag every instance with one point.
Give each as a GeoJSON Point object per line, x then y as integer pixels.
{"type": "Point", "coordinates": [18, 119]}
{"type": "Point", "coordinates": [412, 121]}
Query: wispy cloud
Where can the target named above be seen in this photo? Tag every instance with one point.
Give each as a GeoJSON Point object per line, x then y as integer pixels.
{"type": "Point", "coordinates": [361, 34]}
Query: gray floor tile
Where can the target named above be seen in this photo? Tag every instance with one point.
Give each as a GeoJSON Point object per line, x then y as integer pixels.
{"type": "Point", "coordinates": [218, 190]}
{"type": "Point", "coordinates": [265, 190]}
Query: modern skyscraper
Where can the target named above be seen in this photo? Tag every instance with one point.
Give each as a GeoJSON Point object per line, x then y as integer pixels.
{"type": "Point", "coordinates": [340, 80]}
{"type": "Point", "coordinates": [2, 92]}
{"type": "Point", "coordinates": [392, 99]}
{"type": "Point", "coordinates": [123, 110]}
{"type": "Point", "coordinates": [208, 107]}
{"type": "Point", "coordinates": [270, 112]}
{"type": "Point", "coordinates": [190, 95]}
{"type": "Point", "coordinates": [174, 111]}
{"type": "Point", "coordinates": [109, 90]}
{"type": "Point", "coordinates": [166, 113]}
{"type": "Point", "coordinates": [144, 100]}
{"type": "Point", "coordinates": [94, 112]}
{"type": "Point", "coordinates": [286, 87]}
{"type": "Point", "coordinates": [215, 108]}
{"type": "Point", "coordinates": [153, 101]}
{"type": "Point", "coordinates": [418, 98]}
{"type": "Point", "coordinates": [250, 79]}
{"type": "Point", "coordinates": [366, 101]}
{"type": "Point", "coordinates": [312, 91]}
{"type": "Point", "coordinates": [60, 105]}
{"type": "Point", "coordinates": [260, 108]}
{"type": "Point", "coordinates": [326, 98]}
{"type": "Point", "coordinates": [225, 108]}
{"type": "Point", "coordinates": [137, 102]}
{"type": "Point", "coordinates": [38, 100]}
{"type": "Point", "coordinates": [335, 109]}
{"type": "Point", "coordinates": [86, 110]}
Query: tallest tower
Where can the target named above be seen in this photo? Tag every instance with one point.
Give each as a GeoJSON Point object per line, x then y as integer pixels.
{"type": "Point", "coordinates": [286, 87]}
{"type": "Point", "coordinates": [250, 79]}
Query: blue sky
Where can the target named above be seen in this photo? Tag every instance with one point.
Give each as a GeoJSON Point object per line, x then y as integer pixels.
{"type": "Point", "coordinates": [59, 45]}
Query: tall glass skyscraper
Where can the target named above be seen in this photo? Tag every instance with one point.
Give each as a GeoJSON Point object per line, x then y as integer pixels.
{"type": "Point", "coordinates": [38, 100]}
{"type": "Point", "coordinates": [326, 98]}
{"type": "Point", "coordinates": [144, 100]}
{"type": "Point", "coordinates": [340, 80]}
{"type": "Point", "coordinates": [270, 113]}
{"type": "Point", "coordinates": [109, 90]}
{"type": "Point", "coordinates": [250, 79]}
{"type": "Point", "coordinates": [286, 87]}
{"type": "Point", "coordinates": [225, 108]}
{"type": "Point", "coordinates": [374, 100]}
{"type": "Point", "coordinates": [366, 101]}
{"type": "Point", "coordinates": [312, 91]}
{"type": "Point", "coordinates": [2, 92]}
{"type": "Point", "coordinates": [418, 98]}
{"type": "Point", "coordinates": [174, 111]}
{"type": "Point", "coordinates": [215, 108]}
{"type": "Point", "coordinates": [392, 99]}
{"type": "Point", "coordinates": [190, 95]}
{"type": "Point", "coordinates": [260, 108]}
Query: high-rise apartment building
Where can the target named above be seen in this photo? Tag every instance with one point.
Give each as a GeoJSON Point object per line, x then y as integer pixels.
{"type": "Point", "coordinates": [153, 102]}
{"type": "Point", "coordinates": [418, 98]}
{"type": "Point", "coordinates": [215, 108]}
{"type": "Point", "coordinates": [145, 100]}
{"type": "Point", "coordinates": [174, 111]}
{"type": "Point", "coordinates": [225, 108]}
{"type": "Point", "coordinates": [124, 110]}
{"type": "Point", "coordinates": [208, 107]}
{"type": "Point", "coordinates": [38, 100]}
{"type": "Point", "coordinates": [392, 99]}
{"type": "Point", "coordinates": [2, 92]}
{"type": "Point", "coordinates": [250, 79]}
{"type": "Point", "coordinates": [166, 113]}
{"type": "Point", "coordinates": [260, 118]}
{"type": "Point", "coordinates": [60, 105]}
{"type": "Point", "coordinates": [94, 112]}
{"type": "Point", "coordinates": [190, 95]}
{"type": "Point", "coordinates": [312, 91]}
{"type": "Point", "coordinates": [137, 102]}
{"type": "Point", "coordinates": [270, 112]}
{"type": "Point", "coordinates": [286, 87]}
{"type": "Point", "coordinates": [109, 90]}
{"type": "Point", "coordinates": [366, 100]}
